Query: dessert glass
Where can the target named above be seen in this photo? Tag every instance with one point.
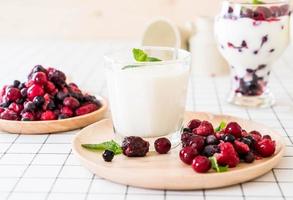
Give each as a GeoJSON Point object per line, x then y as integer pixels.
{"type": "Point", "coordinates": [147, 99]}
{"type": "Point", "coordinates": [251, 37]}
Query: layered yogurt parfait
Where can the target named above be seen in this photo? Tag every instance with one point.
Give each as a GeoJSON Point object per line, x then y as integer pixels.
{"type": "Point", "coordinates": [251, 36]}
{"type": "Point", "coordinates": [147, 90]}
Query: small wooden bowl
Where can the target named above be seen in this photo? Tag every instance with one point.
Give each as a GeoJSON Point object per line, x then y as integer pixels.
{"type": "Point", "coordinates": [54, 126]}
{"type": "Point", "coordinates": [167, 171]}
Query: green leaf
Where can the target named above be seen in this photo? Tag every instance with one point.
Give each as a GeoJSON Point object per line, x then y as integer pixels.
{"type": "Point", "coordinates": [139, 55]}
{"type": "Point", "coordinates": [216, 166]}
{"type": "Point", "coordinates": [257, 2]}
{"type": "Point", "coordinates": [152, 59]}
{"type": "Point", "coordinates": [130, 66]}
{"type": "Point", "coordinates": [222, 125]}
{"type": "Point", "coordinates": [109, 145]}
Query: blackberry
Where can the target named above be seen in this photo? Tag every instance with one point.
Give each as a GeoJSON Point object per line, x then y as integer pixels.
{"type": "Point", "coordinates": [135, 146]}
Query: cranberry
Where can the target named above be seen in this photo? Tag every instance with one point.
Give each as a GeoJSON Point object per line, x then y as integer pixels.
{"type": "Point", "coordinates": [34, 90]}
{"type": "Point", "coordinates": [255, 135]}
{"type": "Point", "coordinates": [48, 115]}
{"type": "Point", "coordinates": [201, 164]}
{"type": "Point", "coordinates": [194, 123]}
{"type": "Point", "coordinates": [66, 111]}
{"type": "Point", "coordinates": [266, 147]}
{"type": "Point", "coordinates": [16, 107]}
{"type": "Point", "coordinates": [39, 78]}
{"type": "Point", "coordinates": [240, 147]}
{"type": "Point", "coordinates": [197, 142]}
{"type": "Point", "coordinates": [233, 128]}
{"type": "Point", "coordinates": [71, 102]}
{"type": "Point", "coordinates": [12, 94]}
{"type": "Point", "coordinates": [8, 115]}
{"type": "Point", "coordinates": [85, 109]}
{"type": "Point", "coordinates": [187, 154]}
{"type": "Point", "coordinates": [204, 129]}
{"type": "Point", "coordinates": [27, 116]}
{"type": "Point", "coordinates": [2, 110]}
{"type": "Point", "coordinates": [162, 145]}
{"type": "Point", "coordinates": [50, 87]}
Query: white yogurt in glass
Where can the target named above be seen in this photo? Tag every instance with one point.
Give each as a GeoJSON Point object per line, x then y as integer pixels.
{"type": "Point", "coordinates": [149, 101]}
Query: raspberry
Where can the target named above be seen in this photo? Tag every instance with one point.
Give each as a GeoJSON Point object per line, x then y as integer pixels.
{"type": "Point", "coordinates": [266, 147]}
{"type": "Point", "coordinates": [255, 135]}
{"type": "Point", "coordinates": [135, 146]}
{"type": "Point", "coordinates": [204, 129]}
{"type": "Point", "coordinates": [194, 123]}
{"type": "Point", "coordinates": [12, 94]}
{"type": "Point", "coordinates": [85, 109]}
{"type": "Point", "coordinates": [27, 116]}
{"type": "Point", "coordinates": [56, 76]}
{"type": "Point", "coordinates": [16, 107]}
{"type": "Point", "coordinates": [228, 155]}
{"type": "Point", "coordinates": [8, 115]}
{"type": "Point", "coordinates": [186, 138]}
{"type": "Point", "coordinates": [241, 147]}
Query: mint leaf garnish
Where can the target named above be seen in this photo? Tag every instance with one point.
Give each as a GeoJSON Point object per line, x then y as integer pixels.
{"type": "Point", "coordinates": [109, 145]}
{"type": "Point", "coordinates": [257, 2]}
{"type": "Point", "coordinates": [141, 56]}
{"type": "Point", "coordinates": [222, 125]}
{"type": "Point", "coordinates": [216, 166]}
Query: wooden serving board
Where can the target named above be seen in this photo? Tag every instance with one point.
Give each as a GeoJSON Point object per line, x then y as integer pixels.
{"type": "Point", "coordinates": [54, 126]}
{"type": "Point", "coordinates": [167, 171]}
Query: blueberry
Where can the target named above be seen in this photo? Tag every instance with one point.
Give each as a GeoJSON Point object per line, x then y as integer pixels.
{"type": "Point", "coordinates": [29, 107]}
{"type": "Point", "coordinates": [5, 104]}
{"type": "Point", "coordinates": [249, 158]}
{"type": "Point", "coordinates": [210, 150]}
{"type": "Point", "coordinates": [187, 130]}
{"type": "Point", "coordinates": [51, 105]}
{"type": "Point", "coordinates": [23, 92]}
{"type": "Point", "coordinates": [16, 83]}
{"type": "Point", "coordinates": [62, 116]}
{"type": "Point", "coordinates": [211, 139]}
{"type": "Point", "coordinates": [39, 68]}
{"type": "Point", "coordinates": [108, 155]}
{"type": "Point", "coordinates": [39, 101]}
{"type": "Point", "coordinates": [247, 141]}
{"type": "Point", "coordinates": [22, 85]}
{"type": "Point", "coordinates": [229, 138]}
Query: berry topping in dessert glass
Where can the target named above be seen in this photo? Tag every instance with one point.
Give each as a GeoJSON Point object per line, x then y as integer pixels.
{"type": "Point", "coordinates": [251, 36]}
{"type": "Point", "coordinates": [147, 91]}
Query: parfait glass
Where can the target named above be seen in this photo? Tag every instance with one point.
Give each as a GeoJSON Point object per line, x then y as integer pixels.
{"type": "Point", "coordinates": [147, 99]}
{"type": "Point", "coordinates": [251, 36]}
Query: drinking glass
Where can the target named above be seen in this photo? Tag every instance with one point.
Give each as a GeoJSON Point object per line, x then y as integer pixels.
{"type": "Point", "coordinates": [147, 99]}
{"type": "Point", "coordinates": [251, 36]}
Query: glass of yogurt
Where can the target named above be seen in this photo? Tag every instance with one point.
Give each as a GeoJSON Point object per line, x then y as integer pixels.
{"type": "Point", "coordinates": [147, 99]}
{"type": "Point", "coordinates": [251, 35]}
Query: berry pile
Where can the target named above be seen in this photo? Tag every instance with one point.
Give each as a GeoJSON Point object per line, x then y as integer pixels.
{"type": "Point", "coordinates": [226, 145]}
{"type": "Point", "coordinates": [45, 96]}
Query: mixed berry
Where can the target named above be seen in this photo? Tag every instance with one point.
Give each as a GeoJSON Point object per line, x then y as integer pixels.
{"type": "Point", "coordinates": [204, 147]}
{"type": "Point", "coordinates": [44, 96]}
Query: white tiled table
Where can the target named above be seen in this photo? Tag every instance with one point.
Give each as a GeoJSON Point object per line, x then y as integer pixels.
{"type": "Point", "coordinates": [43, 166]}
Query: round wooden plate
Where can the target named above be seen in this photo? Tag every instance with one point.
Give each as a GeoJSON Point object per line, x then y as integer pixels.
{"type": "Point", "coordinates": [54, 126]}
{"type": "Point", "coordinates": [167, 171]}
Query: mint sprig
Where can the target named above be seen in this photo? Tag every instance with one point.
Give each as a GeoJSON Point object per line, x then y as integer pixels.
{"type": "Point", "coordinates": [221, 126]}
{"type": "Point", "coordinates": [257, 2]}
{"type": "Point", "coordinates": [109, 145]}
{"type": "Point", "coordinates": [216, 166]}
{"type": "Point", "coordinates": [141, 56]}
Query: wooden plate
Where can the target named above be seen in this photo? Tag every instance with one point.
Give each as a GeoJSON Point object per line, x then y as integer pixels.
{"type": "Point", "coordinates": [54, 126]}
{"type": "Point", "coordinates": [167, 171]}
